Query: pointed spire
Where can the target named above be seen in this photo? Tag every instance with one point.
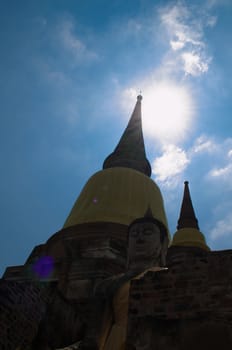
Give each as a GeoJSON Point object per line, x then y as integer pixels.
{"type": "Point", "coordinates": [130, 151]}
{"type": "Point", "coordinates": [148, 214]}
{"type": "Point", "coordinates": [187, 215]}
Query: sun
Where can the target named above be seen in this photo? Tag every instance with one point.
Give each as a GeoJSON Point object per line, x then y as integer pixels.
{"type": "Point", "coordinates": [167, 110]}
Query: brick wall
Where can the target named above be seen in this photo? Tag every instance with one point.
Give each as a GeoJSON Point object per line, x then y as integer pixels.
{"type": "Point", "coordinates": [195, 290]}
{"type": "Point", "coordinates": [22, 306]}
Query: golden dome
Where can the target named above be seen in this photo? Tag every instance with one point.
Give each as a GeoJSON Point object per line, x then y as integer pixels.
{"type": "Point", "coordinates": [190, 237]}
{"type": "Point", "coordinates": [118, 195]}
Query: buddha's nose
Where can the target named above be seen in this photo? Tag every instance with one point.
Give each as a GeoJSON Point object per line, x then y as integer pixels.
{"type": "Point", "coordinates": [140, 238]}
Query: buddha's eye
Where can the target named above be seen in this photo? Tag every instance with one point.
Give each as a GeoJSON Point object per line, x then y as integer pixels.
{"type": "Point", "coordinates": [134, 233]}
{"type": "Point", "coordinates": [148, 232]}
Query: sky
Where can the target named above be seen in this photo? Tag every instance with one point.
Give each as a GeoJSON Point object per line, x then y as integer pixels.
{"type": "Point", "coordinates": [70, 71]}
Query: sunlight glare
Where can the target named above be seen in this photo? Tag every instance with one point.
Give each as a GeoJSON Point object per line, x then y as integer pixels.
{"type": "Point", "coordinates": [167, 111]}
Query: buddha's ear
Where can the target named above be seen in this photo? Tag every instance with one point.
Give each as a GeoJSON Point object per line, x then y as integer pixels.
{"type": "Point", "coordinates": [164, 250]}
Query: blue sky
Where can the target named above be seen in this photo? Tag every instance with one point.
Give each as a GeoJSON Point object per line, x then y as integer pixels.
{"type": "Point", "coordinates": [70, 73]}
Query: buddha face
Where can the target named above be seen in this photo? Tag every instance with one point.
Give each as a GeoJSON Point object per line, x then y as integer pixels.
{"type": "Point", "coordinates": [144, 243]}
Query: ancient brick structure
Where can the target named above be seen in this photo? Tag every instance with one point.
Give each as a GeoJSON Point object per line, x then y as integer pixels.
{"type": "Point", "coordinates": [22, 307]}
{"type": "Point", "coordinates": [69, 289]}
{"type": "Point", "coordinates": [82, 256]}
{"type": "Point", "coordinates": [187, 306]}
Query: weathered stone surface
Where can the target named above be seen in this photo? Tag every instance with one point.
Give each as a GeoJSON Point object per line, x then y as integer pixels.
{"type": "Point", "coordinates": [98, 248]}
{"type": "Point", "coordinates": [83, 255]}
{"type": "Point", "coordinates": [62, 324]}
{"type": "Point", "coordinates": [188, 306]}
{"type": "Point", "coordinates": [22, 307]}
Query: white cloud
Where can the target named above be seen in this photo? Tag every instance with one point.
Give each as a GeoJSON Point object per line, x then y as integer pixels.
{"type": "Point", "coordinates": [73, 44]}
{"type": "Point", "coordinates": [193, 64]}
{"type": "Point", "coordinates": [222, 173]}
{"type": "Point", "coordinates": [176, 45]}
{"type": "Point", "coordinates": [129, 94]}
{"type": "Point", "coordinates": [185, 29]}
{"type": "Point", "coordinates": [177, 20]}
{"type": "Point", "coordinates": [211, 21]}
{"type": "Point", "coordinates": [222, 170]}
{"type": "Point", "coordinates": [63, 92]}
{"type": "Point", "coordinates": [67, 50]}
{"type": "Point", "coordinates": [170, 165]}
{"type": "Point", "coordinates": [213, 3]}
{"type": "Point", "coordinates": [222, 228]}
{"type": "Point", "coordinates": [203, 144]}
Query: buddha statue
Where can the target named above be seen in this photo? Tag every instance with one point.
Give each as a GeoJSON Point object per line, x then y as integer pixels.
{"type": "Point", "coordinates": [147, 249]}
{"type": "Point", "coordinates": [147, 243]}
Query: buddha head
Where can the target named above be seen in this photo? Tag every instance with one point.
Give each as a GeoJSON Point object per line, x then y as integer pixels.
{"type": "Point", "coordinates": [147, 243]}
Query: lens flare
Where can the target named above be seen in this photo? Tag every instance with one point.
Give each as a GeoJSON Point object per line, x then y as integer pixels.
{"type": "Point", "coordinates": [43, 267]}
{"type": "Point", "coordinates": [95, 200]}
